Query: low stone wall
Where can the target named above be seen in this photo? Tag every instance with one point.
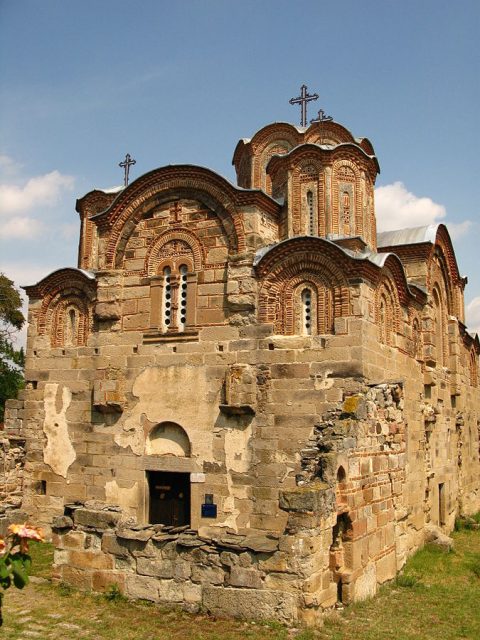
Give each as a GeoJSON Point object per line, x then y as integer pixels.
{"type": "Point", "coordinates": [241, 576]}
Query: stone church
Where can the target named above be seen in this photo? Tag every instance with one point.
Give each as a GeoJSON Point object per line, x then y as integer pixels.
{"type": "Point", "coordinates": [245, 399]}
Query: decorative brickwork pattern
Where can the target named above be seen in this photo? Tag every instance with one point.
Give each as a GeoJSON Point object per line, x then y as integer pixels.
{"type": "Point", "coordinates": [173, 246]}
{"type": "Point", "coordinates": [66, 312]}
{"type": "Point", "coordinates": [163, 185]}
{"type": "Point", "coordinates": [285, 279]}
{"type": "Point", "coordinates": [387, 310]}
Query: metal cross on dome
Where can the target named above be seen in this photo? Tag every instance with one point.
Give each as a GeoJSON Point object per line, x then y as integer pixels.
{"type": "Point", "coordinates": [302, 100]}
{"type": "Point", "coordinates": [126, 164]}
{"type": "Point", "coordinates": [321, 117]}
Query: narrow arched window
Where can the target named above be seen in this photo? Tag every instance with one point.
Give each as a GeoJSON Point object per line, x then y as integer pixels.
{"type": "Point", "coordinates": [307, 312]}
{"type": "Point", "coordinates": [473, 369]}
{"type": "Point", "coordinates": [416, 340]}
{"type": "Point", "coordinates": [72, 326]}
{"type": "Point", "coordinates": [167, 298]}
{"type": "Point", "coordinates": [382, 321]}
{"type": "Point", "coordinates": [311, 216]}
{"type": "Point", "coordinates": [183, 297]}
{"type": "Point", "coordinates": [439, 329]}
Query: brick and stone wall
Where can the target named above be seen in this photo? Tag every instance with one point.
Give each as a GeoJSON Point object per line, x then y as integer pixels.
{"type": "Point", "coordinates": [315, 404]}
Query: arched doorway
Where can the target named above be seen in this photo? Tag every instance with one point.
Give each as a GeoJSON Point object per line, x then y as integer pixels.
{"type": "Point", "coordinates": [168, 491]}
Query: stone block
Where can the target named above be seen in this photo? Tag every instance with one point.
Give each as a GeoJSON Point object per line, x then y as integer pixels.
{"type": "Point", "coordinates": [156, 567]}
{"type": "Point", "coordinates": [250, 604]}
{"type": "Point", "coordinates": [112, 544]}
{"type": "Point", "coordinates": [170, 591]}
{"type": "Point", "coordinates": [208, 575]}
{"type": "Point", "coordinates": [79, 578]}
{"type": "Point", "coordinates": [318, 497]}
{"type": "Point", "coordinates": [96, 519]}
{"type": "Point", "coordinates": [192, 593]}
{"type": "Point", "coordinates": [386, 568]}
{"type": "Point", "coordinates": [142, 587]}
{"type": "Point", "coordinates": [248, 578]}
{"type": "Point", "coordinates": [104, 580]}
{"type": "Point", "coordinates": [90, 560]}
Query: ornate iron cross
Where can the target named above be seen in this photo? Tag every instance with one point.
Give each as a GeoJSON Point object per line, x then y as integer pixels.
{"type": "Point", "coordinates": [321, 117]}
{"type": "Point", "coordinates": [302, 100]}
{"type": "Point", "coordinates": [126, 164]}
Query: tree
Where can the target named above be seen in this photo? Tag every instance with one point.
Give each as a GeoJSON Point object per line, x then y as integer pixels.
{"type": "Point", "coordinates": [12, 360]}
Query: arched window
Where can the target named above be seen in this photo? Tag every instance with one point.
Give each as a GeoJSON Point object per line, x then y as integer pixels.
{"type": "Point", "coordinates": [439, 328]}
{"type": "Point", "coordinates": [345, 217]}
{"type": "Point", "coordinates": [307, 312]}
{"type": "Point", "coordinates": [183, 297]}
{"type": "Point", "coordinates": [167, 298]}
{"type": "Point", "coordinates": [173, 289]}
{"type": "Point", "coordinates": [71, 321]}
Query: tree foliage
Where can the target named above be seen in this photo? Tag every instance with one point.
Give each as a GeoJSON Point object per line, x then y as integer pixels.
{"type": "Point", "coordinates": [12, 360]}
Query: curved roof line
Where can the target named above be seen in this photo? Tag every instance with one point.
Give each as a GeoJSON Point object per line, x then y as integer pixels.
{"type": "Point", "coordinates": [327, 148]}
{"type": "Point", "coordinates": [88, 274]}
{"type": "Point", "coordinates": [125, 193]}
{"type": "Point", "coordinates": [409, 235]}
{"type": "Point", "coordinates": [377, 259]}
{"type": "Point", "coordinates": [297, 129]}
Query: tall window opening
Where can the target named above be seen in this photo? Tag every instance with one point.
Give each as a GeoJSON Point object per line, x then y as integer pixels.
{"type": "Point", "coordinates": [71, 321]}
{"type": "Point", "coordinates": [307, 312]}
{"type": "Point", "coordinates": [183, 297]}
{"type": "Point", "coordinates": [439, 329]}
{"type": "Point", "coordinates": [311, 215]}
{"type": "Point", "coordinates": [167, 298]}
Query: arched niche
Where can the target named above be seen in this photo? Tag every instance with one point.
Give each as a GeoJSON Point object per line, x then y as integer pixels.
{"type": "Point", "coordinates": [168, 439]}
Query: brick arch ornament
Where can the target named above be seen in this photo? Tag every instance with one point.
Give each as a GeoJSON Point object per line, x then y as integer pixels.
{"type": "Point", "coordinates": [61, 291]}
{"type": "Point", "coordinates": [347, 172]}
{"type": "Point", "coordinates": [57, 318]}
{"type": "Point", "coordinates": [154, 254]}
{"type": "Point", "coordinates": [163, 185]}
{"type": "Point", "coordinates": [290, 272]}
{"type": "Point", "coordinates": [387, 309]}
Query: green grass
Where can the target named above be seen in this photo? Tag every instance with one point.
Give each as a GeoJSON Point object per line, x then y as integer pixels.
{"type": "Point", "coordinates": [436, 596]}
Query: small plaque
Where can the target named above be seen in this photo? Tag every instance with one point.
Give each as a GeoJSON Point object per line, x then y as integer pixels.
{"type": "Point", "coordinates": [197, 477]}
{"type": "Point", "coordinates": [209, 510]}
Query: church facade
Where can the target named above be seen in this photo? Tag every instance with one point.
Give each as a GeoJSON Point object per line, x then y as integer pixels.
{"type": "Point", "coordinates": [244, 398]}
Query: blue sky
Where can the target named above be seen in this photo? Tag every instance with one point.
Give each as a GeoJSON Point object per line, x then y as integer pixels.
{"type": "Point", "coordinates": [82, 83]}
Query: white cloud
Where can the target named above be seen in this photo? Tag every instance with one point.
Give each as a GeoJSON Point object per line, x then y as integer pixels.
{"type": "Point", "coordinates": [8, 166]}
{"type": "Point", "coordinates": [21, 227]}
{"type": "Point", "coordinates": [397, 208]}
{"type": "Point", "coordinates": [472, 313]}
{"type": "Point", "coordinates": [37, 192]}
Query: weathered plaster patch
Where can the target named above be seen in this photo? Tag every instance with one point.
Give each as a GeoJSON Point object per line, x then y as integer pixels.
{"type": "Point", "coordinates": [323, 381]}
{"type": "Point", "coordinates": [126, 498]}
{"type": "Point", "coordinates": [59, 453]}
{"type": "Point", "coordinates": [237, 458]}
{"type": "Point", "coordinates": [180, 394]}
